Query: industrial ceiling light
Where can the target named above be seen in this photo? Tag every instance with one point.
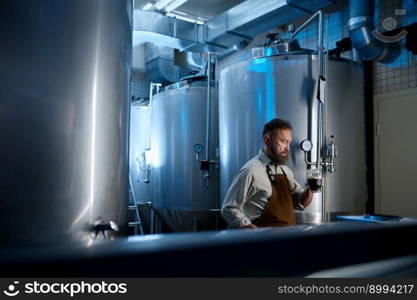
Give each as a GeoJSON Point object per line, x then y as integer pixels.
{"type": "Point", "coordinates": [179, 12]}
{"type": "Point", "coordinates": [174, 4]}
{"type": "Point", "coordinates": [184, 18]}
{"type": "Point", "coordinates": [147, 6]}
{"type": "Point", "coordinates": [162, 3]}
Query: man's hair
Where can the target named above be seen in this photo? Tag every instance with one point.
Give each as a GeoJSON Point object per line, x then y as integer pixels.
{"type": "Point", "coordinates": [276, 124]}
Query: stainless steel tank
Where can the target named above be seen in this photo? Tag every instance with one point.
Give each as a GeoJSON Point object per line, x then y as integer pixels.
{"type": "Point", "coordinates": [179, 121]}
{"type": "Point", "coordinates": [254, 91]}
{"type": "Point", "coordinates": [345, 190]}
{"type": "Point", "coordinates": [64, 102]}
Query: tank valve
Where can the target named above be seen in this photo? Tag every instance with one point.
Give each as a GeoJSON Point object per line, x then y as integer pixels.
{"type": "Point", "coordinates": [101, 227]}
{"type": "Point", "coordinates": [329, 160]}
{"type": "Point", "coordinates": [205, 164]}
{"type": "Point", "coordinates": [145, 164]}
{"type": "Point", "coordinates": [331, 155]}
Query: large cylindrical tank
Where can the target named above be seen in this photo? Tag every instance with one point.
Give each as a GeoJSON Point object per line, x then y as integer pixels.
{"type": "Point", "coordinates": [179, 121]}
{"type": "Point", "coordinates": [64, 106]}
{"type": "Point", "coordinates": [254, 91]}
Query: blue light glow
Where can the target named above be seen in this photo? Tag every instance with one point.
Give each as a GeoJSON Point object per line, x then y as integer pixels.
{"type": "Point", "coordinates": [259, 61]}
{"type": "Point", "coordinates": [266, 92]}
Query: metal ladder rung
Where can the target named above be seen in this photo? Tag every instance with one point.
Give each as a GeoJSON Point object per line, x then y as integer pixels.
{"type": "Point", "coordinates": [137, 223]}
{"type": "Point", "coordinates": [134, 223]}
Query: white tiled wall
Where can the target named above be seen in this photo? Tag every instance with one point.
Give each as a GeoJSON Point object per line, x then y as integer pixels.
{"type": "Point", "coordinates": [400, 74]}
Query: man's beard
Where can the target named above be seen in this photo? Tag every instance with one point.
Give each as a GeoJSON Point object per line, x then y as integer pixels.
{"type": "Point", "coordinates": [278, 158]}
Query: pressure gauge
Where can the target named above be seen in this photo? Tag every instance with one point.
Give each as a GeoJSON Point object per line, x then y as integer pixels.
{"type": "Point", "coordinates": [198, 148]}
{"type": "Point", "coordinates": [306, 145]}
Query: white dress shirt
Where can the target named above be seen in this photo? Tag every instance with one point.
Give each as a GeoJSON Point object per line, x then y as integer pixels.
{"type": "Point", "coordinates": [251, 190]}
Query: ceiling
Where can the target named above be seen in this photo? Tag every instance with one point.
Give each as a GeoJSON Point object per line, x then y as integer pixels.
{"type": "Point", "coordinates": [196, 9]}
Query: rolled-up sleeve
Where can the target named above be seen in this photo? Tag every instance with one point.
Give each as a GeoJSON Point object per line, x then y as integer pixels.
{"type": "Point", "coordinates": [236, 197]}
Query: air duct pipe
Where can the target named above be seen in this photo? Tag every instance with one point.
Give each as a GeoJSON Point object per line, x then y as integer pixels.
{"type": "Point", "coordinates": [360, 27]}
{"type": "Point", "coordinates": [160, 65]}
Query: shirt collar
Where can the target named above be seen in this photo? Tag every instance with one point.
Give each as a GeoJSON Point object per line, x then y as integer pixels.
{"type": "Point", "coordinates": [264, 158]}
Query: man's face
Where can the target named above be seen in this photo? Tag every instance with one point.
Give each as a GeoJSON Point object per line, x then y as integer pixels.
{"type": "Point", "coordinates": [277, 145]}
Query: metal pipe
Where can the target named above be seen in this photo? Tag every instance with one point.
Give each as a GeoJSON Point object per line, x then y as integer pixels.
{"type": "Point", "coordinates": [320, 106]}
{"type": "Point", "coordinates": [206, 174]}
{"type": "Point", "coordinates": [174, 34]}
{"type": "Point", "coordinates": [209, 56]}
{"type": "Point", "coordinates": [318, 14]}
{"type": "Point", "coordinates": [195, 33]}
{"type": "Point", "coordinates": [321, 43]}
{"type": "Point", "coordinates": [361, 32]}
{"type": "Point", "coordinates": [150, 112]}
{"type": "Point", "coordinates": [321, 75]}
{"type": "Point", "coordinates": [324, 124]}
{"type": "Point", "coordinates": [151, 88]}
{"type": "Point", "coordinates": [306, 23]}
{"type": "Point", "coordinates": [321, 110]}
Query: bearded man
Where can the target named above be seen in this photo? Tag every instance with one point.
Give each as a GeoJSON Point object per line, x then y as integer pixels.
{"type": "Point", "coordinates": [264, 192]}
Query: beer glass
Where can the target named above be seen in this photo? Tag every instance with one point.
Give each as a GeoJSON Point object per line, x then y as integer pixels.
{"type": "Point", "coordinates": [314, 179]}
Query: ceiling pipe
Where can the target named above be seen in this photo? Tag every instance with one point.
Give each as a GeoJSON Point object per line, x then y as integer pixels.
{"type": "Point", "coordinates": [225, 32]}
{"type": "Point", "coordinates": [360, 27]}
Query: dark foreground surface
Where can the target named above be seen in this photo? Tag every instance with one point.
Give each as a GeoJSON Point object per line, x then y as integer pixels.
{"type": "Point", "coordinates": [270, 252]}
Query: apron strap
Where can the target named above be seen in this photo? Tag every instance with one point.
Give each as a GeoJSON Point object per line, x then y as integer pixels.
{"type": "Point", "coordinates": [283, 172]}
{"type": "Point", "coordinates": [269, 172]}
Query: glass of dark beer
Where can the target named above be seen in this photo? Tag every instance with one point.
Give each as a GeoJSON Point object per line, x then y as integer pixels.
{"type": "Point", "coordinates": [314, 179]}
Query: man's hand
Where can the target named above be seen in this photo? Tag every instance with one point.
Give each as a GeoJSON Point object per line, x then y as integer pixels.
{"type": "Point", "coordinates": [306, 197]}
{"type": "Point", "coordinates": [250, 226]}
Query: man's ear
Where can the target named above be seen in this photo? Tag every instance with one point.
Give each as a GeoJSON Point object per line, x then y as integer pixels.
{"type": "Point", "coordinates": [266, 140]}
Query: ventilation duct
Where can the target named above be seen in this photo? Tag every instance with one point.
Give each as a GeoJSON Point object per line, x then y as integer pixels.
{"type": "Point", "coordinates": [166, 65]}
{"type": "Point", "coordinates": [361, 25]}
{"type": "Point", "coordinates": [160, 64]}
{"type": "Point", "coordinates": [224, 32]}
{"type": "Point", "coordinates": [191, 60]}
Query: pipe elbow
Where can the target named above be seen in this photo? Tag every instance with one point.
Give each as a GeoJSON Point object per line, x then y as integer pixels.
{"type": "Point", "coordinates": [360, 28]}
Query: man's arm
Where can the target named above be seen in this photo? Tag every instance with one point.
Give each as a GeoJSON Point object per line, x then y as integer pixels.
{"type": "Point", "coordinates": [306, 197]}
{"type": "Point", "coordinates": [236, 197]}
{"type": "Point", "coordinates": [250, 226]}
{"type": "Point", "coordinates": [302, 198]}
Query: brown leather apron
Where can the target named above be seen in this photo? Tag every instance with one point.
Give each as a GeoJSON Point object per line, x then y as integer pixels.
{"type": "Point", "coordinates": [279, 210]}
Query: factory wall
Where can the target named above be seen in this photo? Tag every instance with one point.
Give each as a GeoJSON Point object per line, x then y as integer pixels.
{"type": "Point", "coordinates": [395, 108]}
